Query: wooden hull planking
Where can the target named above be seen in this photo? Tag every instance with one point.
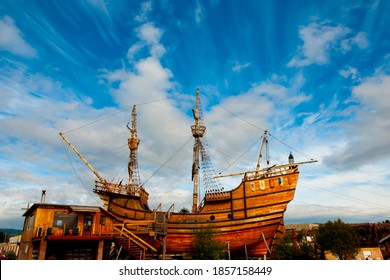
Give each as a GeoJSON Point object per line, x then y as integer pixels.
{"type": "Point", "coordinates": [247, 217]}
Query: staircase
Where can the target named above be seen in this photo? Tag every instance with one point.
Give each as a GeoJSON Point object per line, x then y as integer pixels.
{"type": "Point", "coordinates": [128, 235]}
{"type": "Point", "coordinates": [130, 242]}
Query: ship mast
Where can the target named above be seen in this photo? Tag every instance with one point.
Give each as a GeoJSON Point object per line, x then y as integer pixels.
{"type": "Point", "coordinates": [263, 144]}
{"type": "Point", "coordinates": [133, 142]}
{"type": "Point", "coordinates": [198, 131]}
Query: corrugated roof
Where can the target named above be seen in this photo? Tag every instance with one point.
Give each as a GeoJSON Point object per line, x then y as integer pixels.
{"type": "Point", "coordinates": [74, 208]}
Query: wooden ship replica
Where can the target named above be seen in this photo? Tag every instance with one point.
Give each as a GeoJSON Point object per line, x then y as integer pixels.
{"type": "Point", "coordinates": [246, 218]}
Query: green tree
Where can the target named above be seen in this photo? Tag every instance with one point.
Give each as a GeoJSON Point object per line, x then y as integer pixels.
{"type": "Point", "coordinates": [341, 239]}
{"type": "Point", "coordinates": [206, 248]}
{"type": "Point", "coordinates": [286, 250]}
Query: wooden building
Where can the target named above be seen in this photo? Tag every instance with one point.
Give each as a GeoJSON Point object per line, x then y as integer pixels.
{"type": "Point", "coordinates": [12, 246]}
{"type": "Point", "coordinates": [66, 232]}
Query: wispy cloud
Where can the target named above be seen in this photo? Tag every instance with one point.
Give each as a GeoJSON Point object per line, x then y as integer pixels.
{"type": "Point", "coordinates": [11, 39]}
{"type": "Point", "coordinates": [199, 12]}
{"type": "Point", "coordinates": [98, 12]}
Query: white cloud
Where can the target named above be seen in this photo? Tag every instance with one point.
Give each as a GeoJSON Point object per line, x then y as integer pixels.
{"type": "Point", "coordinates": [146, 8]}
{"type": "Point", "coordinates": [11, 39]}
{"type": "Point", "coordinates": [349, 72]}
{"type": "Point", "coordinates": [149, 36]}
{"type": "Point", "coordinates": [320, 39]}
{"type": "Point", "coordinates": [367, 133]}
{"type": "Point", "coordinates": [133, 50]}
{"type": "Point", "coordinates": [360, 41]}
{"type": "Point", "coordinates": [374, 92]}
{"type": "Point", "coordinates": [148, 81]}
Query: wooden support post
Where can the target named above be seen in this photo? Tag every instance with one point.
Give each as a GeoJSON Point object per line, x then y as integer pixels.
{"type": "Point", "coordinates": [42, 249]}
{"type": "Point", "coordinates": [244, 189]}
{"type": "Point", "coordinates": [99, 255]}
{"type": "Point", "coordinates": [119, 252]}
{"type": "Point", "coordinates": [164, 245]}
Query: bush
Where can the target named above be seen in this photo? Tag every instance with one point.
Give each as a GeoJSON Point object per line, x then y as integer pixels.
{"type": "Point", "coordinates": [206, 248]}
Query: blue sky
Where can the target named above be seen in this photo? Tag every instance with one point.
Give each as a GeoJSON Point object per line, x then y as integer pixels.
{"type": "Point", "coordinates": [314, 73]}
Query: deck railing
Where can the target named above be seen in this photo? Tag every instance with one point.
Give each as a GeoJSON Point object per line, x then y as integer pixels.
{"type": "Point", "coordinates": [116, 188]}
{"type": "Point", "coordinates": [45, 231]}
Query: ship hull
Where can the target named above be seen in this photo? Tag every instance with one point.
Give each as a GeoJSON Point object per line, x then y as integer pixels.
{"type": "Point", "coordinates": [246, 218]}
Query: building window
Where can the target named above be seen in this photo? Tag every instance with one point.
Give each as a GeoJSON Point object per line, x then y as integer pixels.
{"type": "Point", "coordinates": [102, 220]}
{"type": "Point", "coordinates": [87, 222]}
{"type": "Point", "coordinates": [58, 223]}
{"type": "Point", "coordinates": [65, 220]}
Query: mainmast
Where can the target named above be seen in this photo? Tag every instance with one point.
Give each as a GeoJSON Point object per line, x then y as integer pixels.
{"type": "Point", "coordinates": [133, 142]}
{"type": "Point", "coordinates": [198, 131]}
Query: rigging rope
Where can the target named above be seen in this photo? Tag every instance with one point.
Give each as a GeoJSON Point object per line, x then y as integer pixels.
{"type": "Point", "coordinates": [120, 111]}
{"type": "Point", "coordinates": [158, 169]}
{"type": "Point", "coordinates": [262, 129]}
{"type": "Point", "coordinates": [77, 175]}
{"type": "Point", "coordinates": [241, 155]}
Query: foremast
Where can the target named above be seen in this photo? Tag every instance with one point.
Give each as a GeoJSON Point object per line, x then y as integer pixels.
{"type": "Point", "coordinates": [198, 131]}
{"type": "Point", "coordinates": [134, 186]}
{"type": "Point", "coordinates": [133, 143]}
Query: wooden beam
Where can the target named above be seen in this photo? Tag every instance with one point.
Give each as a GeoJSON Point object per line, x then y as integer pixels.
{"type": "Point", "coordinates": [264, 169]}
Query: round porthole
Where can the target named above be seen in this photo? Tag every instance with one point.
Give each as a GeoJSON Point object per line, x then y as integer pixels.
{"type": "Point", "coordinates": [212, 217]}
{"type": "Point", "coordinates": [230, 217]}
